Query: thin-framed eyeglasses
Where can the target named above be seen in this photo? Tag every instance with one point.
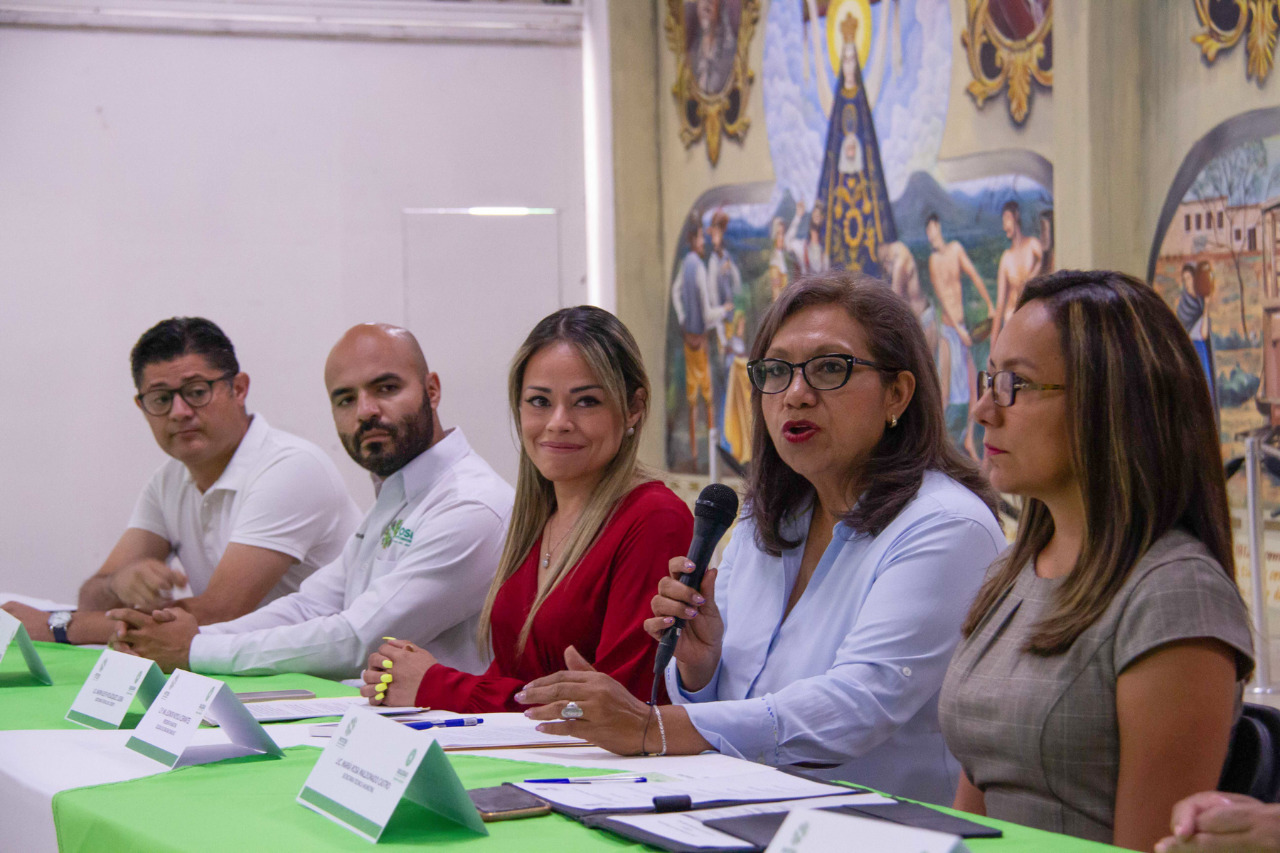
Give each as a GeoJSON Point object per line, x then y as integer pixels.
{"type": "Point", "coordinates": [197, 394]}
{"type": "Point", "coordinates": [822, 372]}
{"type": "Point", "coordinates": [1004, 386]}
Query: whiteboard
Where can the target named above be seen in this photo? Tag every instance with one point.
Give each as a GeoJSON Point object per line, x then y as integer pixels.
{"type": "Point", "coordinates": [475, 285]}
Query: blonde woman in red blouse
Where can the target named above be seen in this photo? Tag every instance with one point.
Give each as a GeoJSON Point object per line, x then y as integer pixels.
{"type": "Point", "coordinates": [590, 536]}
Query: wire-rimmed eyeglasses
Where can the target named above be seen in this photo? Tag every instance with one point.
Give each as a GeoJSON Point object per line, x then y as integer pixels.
{"type": "Point", "coordinates": [1004, 386]}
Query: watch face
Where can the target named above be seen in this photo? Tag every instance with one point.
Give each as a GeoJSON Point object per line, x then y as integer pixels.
{"type": "Point", "coordinates": [59, 619]}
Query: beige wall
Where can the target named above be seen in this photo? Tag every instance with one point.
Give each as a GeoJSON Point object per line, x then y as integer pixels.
{"type": "Point", "coordinates": [641, 298]}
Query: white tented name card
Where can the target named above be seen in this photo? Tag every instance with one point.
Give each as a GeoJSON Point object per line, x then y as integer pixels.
{"type": "Point", "coordinates": [372, 765]}
{"type": "Point", "coordinates": [167, 729]}
{"type": "Point", "coordinates": [817, 831]}
{"type": "Point", "coordinates": [109, 690]}
{"type": "Point", "coordinates": [12, 632]}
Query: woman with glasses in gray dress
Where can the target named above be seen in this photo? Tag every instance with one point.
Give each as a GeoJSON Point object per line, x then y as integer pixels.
{"type": "Point", "coordinates": [1103, 657]}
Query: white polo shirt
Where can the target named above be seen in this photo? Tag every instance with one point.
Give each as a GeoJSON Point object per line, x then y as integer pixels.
{"type": "Point", "coordinates": [278, 492]}
{"type": "Point", "coordinates": [418, 568]}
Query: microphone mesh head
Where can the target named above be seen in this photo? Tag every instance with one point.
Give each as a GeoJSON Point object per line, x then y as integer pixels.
{"type": "Point", "coordinates": [717, 502]}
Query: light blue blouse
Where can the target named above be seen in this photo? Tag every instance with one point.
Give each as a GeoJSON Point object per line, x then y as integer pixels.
{"type": "Point", "coordinates": [851, 677]}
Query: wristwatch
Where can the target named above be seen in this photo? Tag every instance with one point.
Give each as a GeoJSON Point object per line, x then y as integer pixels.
{"type": "Point", "coordinates": [58, 622]}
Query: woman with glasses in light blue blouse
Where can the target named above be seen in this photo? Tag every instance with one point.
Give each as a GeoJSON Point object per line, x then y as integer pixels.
{"type": "Point", "coordinates": [823, 637]}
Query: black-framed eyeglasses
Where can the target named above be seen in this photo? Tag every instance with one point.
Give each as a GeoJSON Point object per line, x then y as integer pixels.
{"type": "Point", "coordinates": [1004, 386]}
{"type": "Point", "coordinates": [822, 372]}
{"type": "Point", "coordinates": [197, 394]}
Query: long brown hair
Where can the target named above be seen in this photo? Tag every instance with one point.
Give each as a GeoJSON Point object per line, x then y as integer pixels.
{"type": "Point", "coordinates": [919, 442]}
{"type": "Point", "coordinates": [1143, 444]}
{"type": "Point", "coordinates": [612, 355]}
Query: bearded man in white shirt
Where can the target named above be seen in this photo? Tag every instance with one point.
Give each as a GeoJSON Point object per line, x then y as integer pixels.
{"type": "Point", "coordinates": [417, 568]}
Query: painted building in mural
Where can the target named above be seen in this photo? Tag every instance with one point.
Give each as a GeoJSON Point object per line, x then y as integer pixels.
{"type": "Point", "coordinates": [857, 96]}
{"type": "Point", "coordinates": [1215, 265]}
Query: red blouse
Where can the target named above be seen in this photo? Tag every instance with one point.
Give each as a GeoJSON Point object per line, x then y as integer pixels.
{"type": "Point", "coordinates": [598, 608]}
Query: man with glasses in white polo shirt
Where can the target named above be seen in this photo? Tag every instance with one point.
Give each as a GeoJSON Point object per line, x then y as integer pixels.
{"type": "Point", "coordinates": [248, 511]}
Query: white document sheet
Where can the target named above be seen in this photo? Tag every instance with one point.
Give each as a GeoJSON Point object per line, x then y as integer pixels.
{"type": "Point", "coordinates": [498, 731]}
{"type": "Point", "coordinates": [280, 710]}
{"type": "Point", "coordinates": [751, 787]}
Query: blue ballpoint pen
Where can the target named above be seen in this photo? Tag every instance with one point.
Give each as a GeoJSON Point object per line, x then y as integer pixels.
{"type": "Point", "coordinates": [587, 780]}
{"type": "Point", "coordinates": [445, 724]}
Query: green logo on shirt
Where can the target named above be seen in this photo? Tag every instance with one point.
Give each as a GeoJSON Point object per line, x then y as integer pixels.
{"type": "Point", "coordinates": [396, 532]}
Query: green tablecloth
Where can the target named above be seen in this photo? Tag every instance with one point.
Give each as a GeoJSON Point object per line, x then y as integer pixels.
{"type": "Point", "coordinates": [27, 704]}
{"type": "Point", "coordinates": [249, 804]}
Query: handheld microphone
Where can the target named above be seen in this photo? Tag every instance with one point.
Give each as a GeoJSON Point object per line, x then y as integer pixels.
{"type": "Point", "coordinates": [715, 510]}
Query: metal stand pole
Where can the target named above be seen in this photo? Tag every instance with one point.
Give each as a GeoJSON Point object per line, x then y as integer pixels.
{"type": "Point", "coordinates": [713, 455]}
{"type": "Point", "coordinates": [1257, 565]}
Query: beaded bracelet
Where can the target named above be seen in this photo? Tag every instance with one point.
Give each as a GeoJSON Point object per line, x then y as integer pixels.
{"type": "Point", "coordinates": [662, 732]}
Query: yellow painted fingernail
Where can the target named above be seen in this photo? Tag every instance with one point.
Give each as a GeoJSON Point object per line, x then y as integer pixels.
{"type": "Point", "coordinates": [388, 638]}
{"type": "Point", "coordinates": [380, 688]}
{"type": "Point", "coordinates": [386, 678]}
{"type": "Point", "coordinates": [387, 663]}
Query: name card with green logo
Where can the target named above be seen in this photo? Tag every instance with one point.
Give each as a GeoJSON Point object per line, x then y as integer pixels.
{"type": "Point", "coordinates": [167, 729]}
{"type": "Point", "coordinates": [13, 632]}
{"type": "Point", "coordinates": [110, 688]}
{"type": "Point", "coordinates": [372, 765]}
{"type": "Point", "coordinates": [818, 831]}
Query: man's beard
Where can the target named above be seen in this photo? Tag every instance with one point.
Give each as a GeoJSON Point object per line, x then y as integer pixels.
{"type": "Point", "coordinates": [405, 441]}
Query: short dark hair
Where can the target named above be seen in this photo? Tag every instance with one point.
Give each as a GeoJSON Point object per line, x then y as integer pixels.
{"type": "Point", "coordinates": [932, 217]}
{"type": "Point", "coordinates": [179, 336]}
{"type": "Point", "coordinates": [1012, 206]}
{"type": "Point", "coordinates": [692, 230]}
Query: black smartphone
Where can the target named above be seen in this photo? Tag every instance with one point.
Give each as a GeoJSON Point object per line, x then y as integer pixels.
{"type": "Point", "coordinates": [506, 802]}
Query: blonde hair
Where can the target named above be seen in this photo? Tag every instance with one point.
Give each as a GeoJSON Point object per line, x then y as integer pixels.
{"type": "Point", "coordinates": [612, 355]}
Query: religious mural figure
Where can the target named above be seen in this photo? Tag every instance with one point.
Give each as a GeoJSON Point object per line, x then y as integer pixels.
{"type": "Point", "coordinates": [713, 43]}
{"type": "Point", "coordinates": [856, 217]}
{"type": "Point", "coordinates": [947, 262]}
{"type": "Point", "coordinates": [1191, 308]}
{"type": "Point", "coordinates": [1020, 263]}
{"type": "Point", "coordinates": [698, 316]}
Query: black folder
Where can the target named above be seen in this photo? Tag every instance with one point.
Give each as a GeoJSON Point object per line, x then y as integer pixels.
{"type": "Point", "coordinates": [759, 829]}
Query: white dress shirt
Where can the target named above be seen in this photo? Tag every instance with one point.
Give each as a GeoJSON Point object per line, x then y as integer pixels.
{"type": "Point", "coordinates": [851, 677]}
{"type": "Point", "coordinates": [278, 492]}
{"type": "Point", "coordinates": [418, 569]}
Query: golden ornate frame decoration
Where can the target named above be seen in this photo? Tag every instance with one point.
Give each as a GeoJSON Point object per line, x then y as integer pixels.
{"type": "Point", "coordinates": [704, 114]}
{"type": "Point", "coordinates": [1260, 17]}
{"type": "Point", "coordinates": [1018, 60]}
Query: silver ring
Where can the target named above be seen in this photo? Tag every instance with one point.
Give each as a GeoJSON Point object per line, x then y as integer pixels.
{"type": "Point", "coordinates": [571, 711]}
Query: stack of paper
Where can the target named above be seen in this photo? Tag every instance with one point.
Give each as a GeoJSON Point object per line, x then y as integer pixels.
{"type": "Point", "coordinates": [761, 786]}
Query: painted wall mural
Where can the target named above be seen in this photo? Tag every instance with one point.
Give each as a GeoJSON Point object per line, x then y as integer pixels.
{"type": "Point", "coordinates": [1226, 22]}
{"type": "Point", "coordinates": [711, 40]}
{"type": "Point", "coordinates": [1009, 45]}
{"type": "Point", "coordinates": [856, 100]}
{"type": "Point", "coordinates": [1215, 263]}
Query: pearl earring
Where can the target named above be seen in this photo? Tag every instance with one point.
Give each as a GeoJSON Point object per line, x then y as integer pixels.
{"type": "Point", "coordinates": [631, 430]}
